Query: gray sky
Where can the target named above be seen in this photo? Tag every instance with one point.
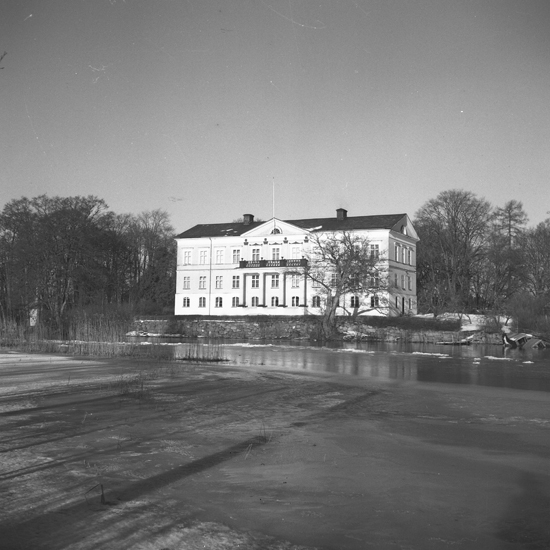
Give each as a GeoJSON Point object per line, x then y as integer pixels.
{"type": "Point", "coordinates": [198, 106]}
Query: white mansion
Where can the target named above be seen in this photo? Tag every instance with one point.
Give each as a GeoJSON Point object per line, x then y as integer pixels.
{"type": "Point", "coordinates": [249, 267]}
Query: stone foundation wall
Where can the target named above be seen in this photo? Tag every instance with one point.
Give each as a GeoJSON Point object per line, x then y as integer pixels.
{"type": "Point", "coordinates": [296, 329]}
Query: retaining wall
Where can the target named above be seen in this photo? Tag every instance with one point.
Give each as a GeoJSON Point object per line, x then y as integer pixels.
{"type": "Point", "coordinates": [297, 329]}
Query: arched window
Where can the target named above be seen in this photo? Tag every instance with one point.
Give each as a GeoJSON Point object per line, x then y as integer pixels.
{"type": "Point", "coordinates": [316, 301]}
{"type": "Point", "coordinates": [295, 301]}
{"type": "Point", "coordinates": [354, 302]}
{"type": "Point", "coordinates": [274, 301]}
{"type": "Point", "coordinates": [255, 301]}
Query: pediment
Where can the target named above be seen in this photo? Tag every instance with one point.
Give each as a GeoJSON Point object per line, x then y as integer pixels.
{"type": "Point", "coordinates": [405, 227]}
{"type": "Point", "coordinates": [274, 227]}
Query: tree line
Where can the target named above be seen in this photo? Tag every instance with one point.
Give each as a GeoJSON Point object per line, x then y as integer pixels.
{"type": "Point", "coordinates": [63, 255]}
{"type": "Point", "coordinates": [475, 257]}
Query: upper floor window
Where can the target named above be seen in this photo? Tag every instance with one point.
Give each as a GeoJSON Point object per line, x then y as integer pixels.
{"type": "Point", "coordinates": [274, 281]}
{"type": "Point", "coordinates": [219, 281]}
{"type": "Point", "coordinates": [315, 283]}
{"type": "Point", "coordinates": [404, 255]}
{"type": "Point", "coordinates": [187, 257]}
{"type": "Point", "coordinates": [276, 231]}
{"type": "Point", "coordinates": [202, 282]}
{"type": "Point", "coordinates": [203, 256]}
{"type": "Point", "coordinates": [275, 253]}
{"type": "Point", "coordinates": [410, 257]}
{"type": "Point", "coordinates": [374, 281]}
{"type": "Point", "coordinates": [255, 281]}
{"type": "Point", "coordinates": [236, 256]}
{"type": "Point", "coordinates": [409, 282]}
{"type": "Point", "coordinates": [295, 253]}
{"type": "Point", "coordinates": [295, 281]}
{"type": "Point", "coordinates": [186, 283]}
{"type": "Point", "coordinates": [333, 279]}
{"type": "Point", "coordinates": [219, 255]}
{"type": "Point", "coordinates": [255, 254]}
{"type": "Point", "coordinates": [236, 282]}
{"type": "Point", "coordinates": [396, 252]}
{"type": "Point", "coordinates": [374, 251]}
{"type": "Point", "coordinates": [403, 281]}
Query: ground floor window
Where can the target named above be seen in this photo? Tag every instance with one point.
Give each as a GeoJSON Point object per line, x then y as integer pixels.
{"type": "Point", "coordinates": [202, 301]}
{"type": "Point", "coordinates": [255, 301]}
{"type": "Point", "coordinates": [374, 301]}
{"type": "Point", "coordinates": [295, 301]}
{"type": "Point", "coordinates": [274, 301]}
{"type": "Point", "coordinates": [316, 301]}
{"type": "Point", "coordinates": [235, 301]}
{"type": "Point", "coordinates": [219, 302]}
{"type": "Point", "coordinates": [186, 302]}
{"type": "Point", "coordinates": [354, 302]}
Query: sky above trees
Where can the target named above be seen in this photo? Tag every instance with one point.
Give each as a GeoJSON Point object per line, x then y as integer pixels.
{"type": "Point", "coordinates": [200, 108]}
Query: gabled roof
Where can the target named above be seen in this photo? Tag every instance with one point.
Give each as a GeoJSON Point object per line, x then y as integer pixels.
{"type": "Point", "coordinates": [387, 221]}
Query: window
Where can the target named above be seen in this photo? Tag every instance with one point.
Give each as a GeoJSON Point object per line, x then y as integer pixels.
{"type": "Point", "coordinates": [255, 254]}
{"type": "Point", "coordinates": [219, 281]}
{"type": "Point", "coordinates": [333, 279]}
{"type": "Point", "coordinates": [202, 301]}
{"type": "Point", "coordinates": [255, 281]}
{"type": "Point", "coordinates": [236, 256]}
{"type": "Point", "coordinates": [276, 231]}
{"type": "Point", "coordinates": [397, 302]}
{"type": "Point", "coordinates": [396, 250]}
{"type": "Point", "coordinates": [219, 255]}
{"type": "Point", "coordinates": [219, 302]}
{"type": "Point", "coordinates": [354, 302]}
{"type": "Point", "coordinates": [186, 302]}
{"type": "Point", "coordinates": [395, 279]}
{"type": "Point", "coordinates": [410, 260]}
{"type": "Point", "coordinates": [403, 282]}
{"type": "Point", "coordinates": [295, 252]}
{"type": "Point", "coordinates": [374, 301]}
{"type": "Point", "coordinates": [203, 256]}
{"type": "Point", "coordinates": [374, 251]}
{"type": "Point", "coordinates": [274, 301]}
{"type": "Point", "coordinates": [404, 255]}
{"type": "Point", "coordinates": [275, 253]}
{"type": "Point", "coordinates": [236, 283]}
{"type": "Point", "coordinates": [274, 281]}
{"type": "Point", "coordinates": [187, 257]}
{"type": "Point", "coordinates": [295, 301]}
{"type": "Point", "coordinates": [316, 301]}
{"type": "Point", "coordinates": [315, 284]}
{"type": "Point", "coordinates": [255, 301]}
{"type": "Point", "coordinates": [409, 282]}
{"type": "Point", "coordinates": [374, 281]}
{"type": "Point", "coordinates": [202, 282]}
{"type": "Point", "coordinates": [295, 281]}
{"type": "Point", "coordinates": [186, 283]}
{"type": "Point", "coordinates": [410, 303]}
{"type": "Point", "coordinates": [235, 301]}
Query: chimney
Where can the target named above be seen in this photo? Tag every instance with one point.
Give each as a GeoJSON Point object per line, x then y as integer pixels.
{"type": "Point", "coordinates": [341, 214]}
{"type": "Point", "coordinates": [248, 219]}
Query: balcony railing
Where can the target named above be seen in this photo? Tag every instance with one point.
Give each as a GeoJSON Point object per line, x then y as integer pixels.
{"type": "Point", "coordinates": [300, 262]}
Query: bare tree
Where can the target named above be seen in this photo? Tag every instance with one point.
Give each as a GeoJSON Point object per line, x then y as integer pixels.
{"type": "Point", "coordinates": [342, 265]}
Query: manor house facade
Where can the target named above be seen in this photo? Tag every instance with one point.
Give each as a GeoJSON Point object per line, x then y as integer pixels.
{"type": "Point", "coordinates": [253, 268]}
